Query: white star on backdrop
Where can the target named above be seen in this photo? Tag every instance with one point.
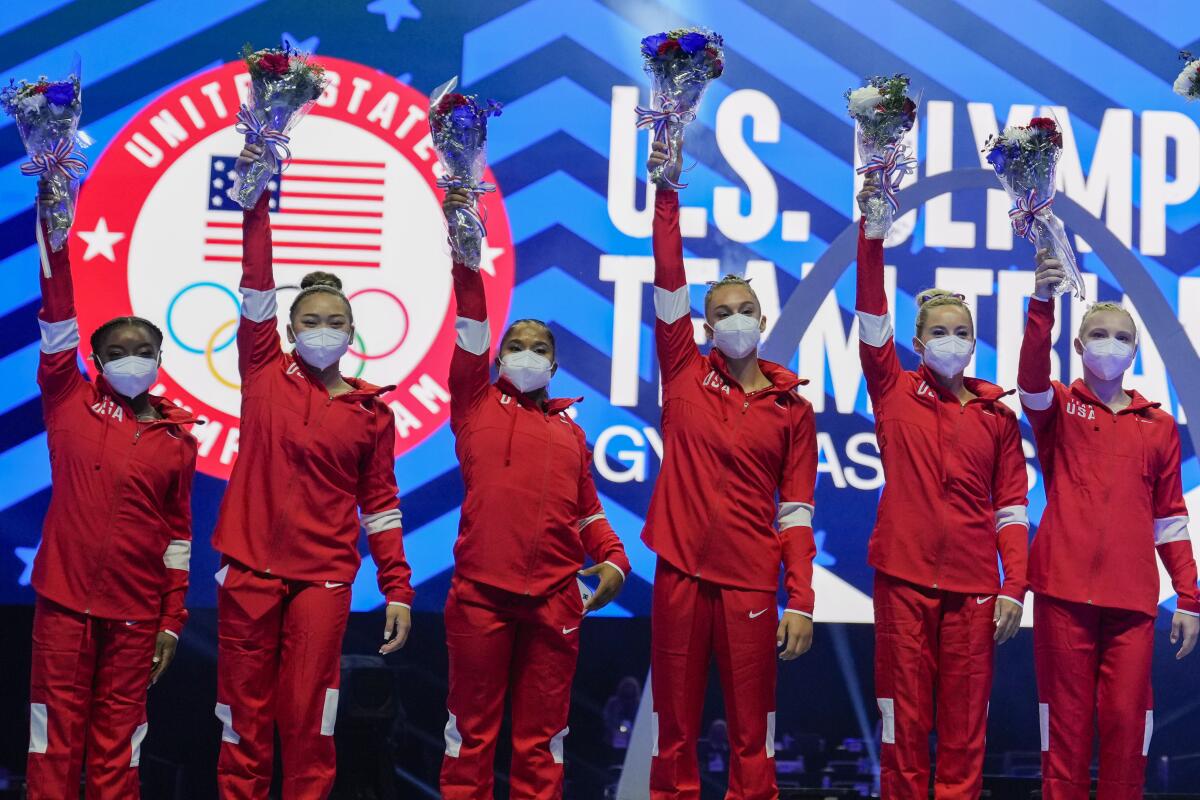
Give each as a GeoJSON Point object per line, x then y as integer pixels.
{"type": "Point", "coordinates": [100, 241]}
{"type": "Point", "coordinates": [488, 256]}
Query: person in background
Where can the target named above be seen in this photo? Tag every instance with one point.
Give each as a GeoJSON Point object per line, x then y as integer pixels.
{"type": "Point", "coordinates": [620, 712]}
{"type": "Point", "coordinates": [1114, 498]}
{"type": "Point", "coordinates": [316, 452]}
{"type": "Point", "coordinates": [529, 517]}
{"type": "Point", "coordinates": [954, 500]}
{"type": "Point", "coordinates": [732, 505]}
{"type": "Point", "coordinates": [111, 572]}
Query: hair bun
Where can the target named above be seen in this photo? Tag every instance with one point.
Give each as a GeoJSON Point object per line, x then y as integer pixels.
{"type": "Point", "coordinates": [321, 279]}
{"type": "Point", "coordinates": [929, 294]}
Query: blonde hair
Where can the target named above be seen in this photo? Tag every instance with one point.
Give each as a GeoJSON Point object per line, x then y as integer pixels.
{"type": "Point", "coordinates": [1096, 308]}
{"type": "Point", "coordinates": [727, 280]}
{"type": "Point", "coordinates": [932, 298]}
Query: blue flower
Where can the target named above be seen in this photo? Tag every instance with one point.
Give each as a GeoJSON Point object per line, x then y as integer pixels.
{"type": "Point", "coordinates": [693, 42]}
{"type": "Point", "coordinates": [997, 159]}
{"type": "Point", "coordinates": [463, 117]}
{"type": "Point", "coordinates": [60, 94]}
{"type": "Point", "coordinates": [494, 108]}
{"type": "Point", "coordinates": [651, 44]}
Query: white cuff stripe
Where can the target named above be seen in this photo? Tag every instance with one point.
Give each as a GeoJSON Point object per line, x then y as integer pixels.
{"type": "Point", "coordinates": [402, 605]}
{"type": "Point", "coordinates": [1011, 600]}
{"type": "Point", "coordinates": [170, 633]}
{"type": "Point", "coordinates": [59, 336]}
{"type": "Point", "coordinates": [1012, 515]}
{"type": "Point", "coordinates": [795, 611]}
{"type": "Point", "coordinates": [583, 523]}
{"type": "Point", "coordinates": [178, 555]}
{"type": "Point", "coordinates": [874, 330]}
{"type": "Point", "coordinates": [1170, 529]}
{"type": "Point", "coordinates": [382, 521]}
{"type": "Point", "coordinates": [793, 514]}
{"type": "Point", "coordinates": [258, 305]}
{"type": "Point", "coordinates": [1036, 401]}
{"type": "Point", "coordinates": [473, 335]}
{"type": "Point", "coordinates": [671, 306]}
{"type": "Point", "coordinates": [1189, 613]}
{"type": "Point", "coordinates": [618, 569]}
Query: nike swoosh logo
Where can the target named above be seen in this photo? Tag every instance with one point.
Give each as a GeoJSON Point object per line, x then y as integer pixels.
{"type": "Point", "coordinates": [756, 614]}
{"type": "Point", "coordinates": [982, 600]}
{"type": "Point", "coordinates": [570, 630]}
{"type": "Point", "coordinates": [329, 585]}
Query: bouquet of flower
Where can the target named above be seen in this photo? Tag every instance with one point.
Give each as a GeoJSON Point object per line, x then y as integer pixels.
{"type": "Point", "coordinates": [884, 113]}
{"type": "Point", "coordinates": [1188, 83]}
{"type": "Point", "coordinates": [680, 64]}
{"type": "Point", "coordinates": [1025, 159]}
{"type": "Point", "coordinates": [283, 86]}
{"type": "Point", "coordinates": [47, 116]}
{"type": "Point", "coordinates": [458, 124]}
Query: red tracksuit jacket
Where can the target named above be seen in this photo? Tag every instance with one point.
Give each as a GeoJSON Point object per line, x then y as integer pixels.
{"type": "Point", "coordinates": [956, 485]}
{"type": "Point", "coordinates": [1114, 493]}
{"type": "Point", "coordinates": [307, 462]}
{"type": "Point", "coordinates": [117, 538]}
{"type": "Point", "coordinates": [531, 511]}
{"type": "Point", "coordinates": [734, 497]}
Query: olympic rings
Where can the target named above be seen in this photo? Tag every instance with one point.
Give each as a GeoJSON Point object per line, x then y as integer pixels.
{"type": "Point", "coordinates": [170, 316]}
{"type": "Point", "coordinates": [403, 315]}
{"type": "Point", "coordinates": [209, 350]}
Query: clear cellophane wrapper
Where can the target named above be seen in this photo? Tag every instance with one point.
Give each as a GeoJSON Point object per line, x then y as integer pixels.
{"type": "Point", "coordinates": [278, 103]}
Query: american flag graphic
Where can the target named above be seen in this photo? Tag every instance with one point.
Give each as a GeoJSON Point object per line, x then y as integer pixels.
{"type": "Point", "coordinates": [325, 213]}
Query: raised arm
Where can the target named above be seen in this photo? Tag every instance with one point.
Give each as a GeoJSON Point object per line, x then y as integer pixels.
{"type": "Point", "coordinates": [58, 370]}
{"type": "Point", "coordinates": [876, 339]}
{"type": "Point", "coordinates": [258, 337]}
{"type": "Point", "coordinates": [1033, 372]}
{"type": "Point", "coordinates": [470, 373]}
{"type": "Point", "coordinates": [1010, 503]}
{"type": "Point", "coordinates": [673, 333]}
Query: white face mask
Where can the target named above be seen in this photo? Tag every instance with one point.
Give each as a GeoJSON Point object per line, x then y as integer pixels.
{"type": "Point", "coordinates": [526, 370]}
{"type": "Point", "coordinates": [948, 355]}
{"type": "Point", "coordinates": [737, 335]}
{"type": "Point", "coordinates": [1107, 357]}
{"type": "Point", "coordinates": [131, 375]}
{"type": "Point", "coordinates": [320, 347]}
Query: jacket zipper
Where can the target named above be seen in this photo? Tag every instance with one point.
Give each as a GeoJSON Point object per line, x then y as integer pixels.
{"type": "Point", "coordinates": [541, 527]}
{"type": "Point", "coordinates": [720, 487]}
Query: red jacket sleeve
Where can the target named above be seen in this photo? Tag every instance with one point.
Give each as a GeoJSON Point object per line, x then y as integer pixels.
{"type": "Point", "coordinates": [796, 490]}
{"type": "Point", "coordinates": [599, 539]}
{"type": "Point", "coordinates": [1010, 501]}
{"type": "Point", "coordinates": [380, 509]}
{"type": "Point", "coordinates": [58, 369]}
{"type": "Point", "coordinates": [1171, 537]}
{"type": "Point", "coordinates": [258, 338]}
{"type": "Point", "coordinates": [673, 332]}
{"type": "Point", "coordinates": [177, 558]}
{"type": "Point", "coordinates": [469, 369]}
{"type": "Point", "coordinates": [876, 339]}
{"type": "Point", "coordinates": [1033, 373]}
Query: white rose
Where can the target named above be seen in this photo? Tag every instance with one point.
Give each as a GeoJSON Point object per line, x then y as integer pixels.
{"type": "Point", "coordinates": [1017, 136]}
{"type": "Point", "coordinates": [33, 104]}
{"type": "Point", "coordinates": [863, 101]}
{"type": "Point", "coordinates": [1186, 79]}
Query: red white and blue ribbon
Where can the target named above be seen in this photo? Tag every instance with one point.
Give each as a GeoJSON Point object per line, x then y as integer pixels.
{"type": "Point", "coordinates": [275, 141]}
{"type": "Point", "coordinates": [661, 121]}
{"type": "Point", "coordinates": [1025, 210]}
{"type": "Point", "coordinates": [892, 166]}
{"type": "Point", "coordinates": [476, 189]}
{"type": "Point", "coordinates": [63, 158]}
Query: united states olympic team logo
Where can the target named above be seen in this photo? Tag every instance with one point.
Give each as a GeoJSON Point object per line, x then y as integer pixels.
{"type": "Point", "coordinates": [155, 236]}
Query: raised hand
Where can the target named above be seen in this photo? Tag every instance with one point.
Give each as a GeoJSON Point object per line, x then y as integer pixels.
{"type": "Point", "coordinates": [1049, 274]}
{"type": "Point", "coordinates": [659, 156]}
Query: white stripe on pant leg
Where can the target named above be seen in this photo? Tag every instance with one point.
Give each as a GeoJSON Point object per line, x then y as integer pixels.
{"type": "Point", "coordinates": [1149, 733]}
{"type": "Point", "coordinates": [556, 745]}
{"type": "Point", "coordinates": [135, 744]}
{"type": "Point", "coordinates": [654, 734]}
{"type": "Point", "coordinates": [1044, 725]}
{"type": "Point", "coordinates": [887, 710]}
{"type": "Point", "coordinates": [453, 737]}
{"type": "Point", "coordinates": [225, 714]}
{"type": "Point", "coordinates": [770, 734]}
{"type": "Point", "coordinates": [222, 573]}
{"type": "Point", "coordinates": [329, 712]}
{"type": "Point", "coordinates": [37, 728]}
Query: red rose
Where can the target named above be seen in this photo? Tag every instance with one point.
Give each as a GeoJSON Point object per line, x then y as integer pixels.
{"type": "Point", "coordinates": [41, 88]}
{"type": "Point", "coordinates": [667, 47]}
{"type": "Point", "coordinates": [451, 102]}
{"type": "Point", "coordinates": [1043, 124]}
{"type": "Point", "coordinates": [274, 63]}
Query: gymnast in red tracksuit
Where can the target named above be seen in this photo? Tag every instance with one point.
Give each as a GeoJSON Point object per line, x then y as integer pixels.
{"type": "Point", "coordinates": [529, 517]}
{"type": "Point", "coordinates": [112, 569]}
{"type": "Point", "coordinates": [316, 451]}
{"type": "Point", "coordinates": [733, 501]}
{"type": "Point", "coordinates": [1114, 496]}
{"type": "Point", "coordinates": [955, 497]}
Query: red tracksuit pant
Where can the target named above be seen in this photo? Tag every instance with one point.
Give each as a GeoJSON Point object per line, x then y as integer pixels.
{"type": "Point", "coordinates": [933, 662]}
{"type": "Point", "coordinates": [279, 647]}
{"type": "Point", "coordinates": [691, 621]}
{"type": "Point", "coordinates": [87, 692]}
{"type": "Point", "coordinates": [502, 643]}
{"type": "Point", "coordinates": [1093, 665]}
